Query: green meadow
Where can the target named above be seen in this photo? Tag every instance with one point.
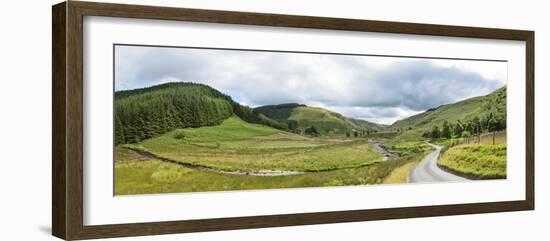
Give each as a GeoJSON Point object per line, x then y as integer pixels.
{"type": "Point", "coordinates": [202, 156]}
{"type": "Point", "coordinates": [236, 145]}
{"type": "Point", "coordinates": [186, 137]}
{"type": "Point", "coordinates": [476, 161]}
{"type": "Point", "coordinates": [482, 157]}
{"type": "Point", "coordinates": [145, 176]}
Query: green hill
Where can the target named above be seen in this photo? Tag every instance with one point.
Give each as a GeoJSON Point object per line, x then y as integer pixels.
{"type": "Point", "coordinates": [148, 112]}
{"type": "Point", "coordinates": [299, 117]}
{"type": "Point", "coordinates": [493, 104]}
{"type": "Point", "coordinates": [236, 145]}
{"type": "Point", "coordinates": [278, 112]}
{"type": "Point", "coordinates": [369, 125]}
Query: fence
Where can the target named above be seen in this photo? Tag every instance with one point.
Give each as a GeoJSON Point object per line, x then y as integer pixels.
{"type": "Point", "coordinates": [498, 137]}
{"type": "Point", "coordinates": [493, 138]}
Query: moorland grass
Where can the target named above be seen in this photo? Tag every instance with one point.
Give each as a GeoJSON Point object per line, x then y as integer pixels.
{"type": "Point", "coordinates": [126, 155]}
{"type": "Point", "coordinates": [400, 174]}
{"type": "Point", "coordinates": [477, 161]}
{"type": "Point", "coordinates": [485, 138]}
{"type": "Point", "coordinates": [153, 176]}
{"type": "Point", "coordinates": [406, 148]}
{"type": "Point", "coordinates": [239, 146]}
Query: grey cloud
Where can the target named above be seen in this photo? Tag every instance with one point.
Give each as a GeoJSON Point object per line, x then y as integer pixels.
{"type": "Point", "coordinates": [418, 85]}
{"type": "Point", "coordinates": [351, 85]}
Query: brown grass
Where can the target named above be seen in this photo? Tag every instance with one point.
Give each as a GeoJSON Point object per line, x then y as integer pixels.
{"type": "Point", "coordinates": [400, 174]}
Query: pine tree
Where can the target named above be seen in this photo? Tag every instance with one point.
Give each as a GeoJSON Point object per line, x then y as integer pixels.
{"type": "Point", "coordinates": [436, 133]}
{"type": "Point", "coordinates": [446, 132]}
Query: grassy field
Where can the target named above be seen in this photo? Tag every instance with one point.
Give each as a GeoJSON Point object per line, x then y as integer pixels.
{"type": "Point", "coordinates": [142, 176]}
{"type": "Point", "coordinates": [236, 145]}
{"type": "Point", "coordinates": [406, 148]}
{"type": "Point", "coordinates": [383, 135]}
{"type": "Point", "coordinates": [187, 137]}
{"type": "Point", "coordinates": [477, 161]}
{"type": "Point", "coordinates": [400, 174]}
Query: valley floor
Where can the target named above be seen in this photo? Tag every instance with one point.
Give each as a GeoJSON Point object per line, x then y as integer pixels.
{"type": "Point", "coordinates": [237, 155]}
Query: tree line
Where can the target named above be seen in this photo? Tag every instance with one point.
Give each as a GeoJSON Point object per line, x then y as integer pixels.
{"type": "Point", "coordinates": [147, 114]}
{"type": "Point", "coordinates": [493, 119]}
{"type": "Point", "coordinates": [313, 131]}
{"type": "Point", "coordinates": [144, 113]}
{"type": "Point", "coordinates": [489, 122]}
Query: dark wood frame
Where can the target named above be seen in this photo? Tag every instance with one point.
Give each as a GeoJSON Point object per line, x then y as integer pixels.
{"type": "Point", "coordinates": [67, 121]}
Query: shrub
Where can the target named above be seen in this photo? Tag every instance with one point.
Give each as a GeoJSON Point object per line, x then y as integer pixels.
{"type": "Point", "coordinates": [180, 134]}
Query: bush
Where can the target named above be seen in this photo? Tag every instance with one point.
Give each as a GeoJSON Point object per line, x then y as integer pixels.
{"type": "Point", "coordinates": [180, 134]}
{"type": "Point", "coordinates": [312, 131]}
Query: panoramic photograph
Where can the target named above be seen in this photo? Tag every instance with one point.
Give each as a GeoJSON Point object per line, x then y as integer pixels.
{"type": "Point", "coordinates": [202, 120]}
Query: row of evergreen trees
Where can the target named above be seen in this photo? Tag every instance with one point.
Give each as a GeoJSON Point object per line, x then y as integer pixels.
{"type": "Point", "coordinates": [493, 119]}
{"type": "Point", "coordinates": [145, 113]}
{"type": "Point", "coordinates": [252, 116]}
{"type": "Point", "coordinates": [488, 123]}
{"type": "Point", "coordinates": [360, 133]}
{"type": "Point", "coordinates": [312, 131]}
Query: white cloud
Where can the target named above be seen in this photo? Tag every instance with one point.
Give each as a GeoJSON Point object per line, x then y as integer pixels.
{"type": "Point", "coordinates": [493, 70]}
{"type": "Point", "coordinates": [381, 115]}
{"type": "Point", "coordinates": [379, 89]}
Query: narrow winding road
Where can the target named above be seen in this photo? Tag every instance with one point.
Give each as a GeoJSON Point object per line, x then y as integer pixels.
{"type": "Point", "coordinates": [428, 171]}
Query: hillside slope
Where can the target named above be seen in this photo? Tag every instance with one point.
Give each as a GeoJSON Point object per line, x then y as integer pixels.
{"type": "Point", "coordinates": [464, 110]}
{"type": "Point", "coordinates": [369, 125]}
{"type": "Point", "coordinates": [148, 112]}
{"type": "Point", "coordinates": [236, 145]}
{"type": "Point", "coordinates": [299, 117]}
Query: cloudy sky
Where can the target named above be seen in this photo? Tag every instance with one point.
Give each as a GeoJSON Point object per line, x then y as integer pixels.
{"type": "Point", "coordinates": [373, 88]}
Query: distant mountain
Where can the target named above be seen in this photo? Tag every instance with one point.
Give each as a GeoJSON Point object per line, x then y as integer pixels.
{"type": "Point", "coordinates": [465, 110]}
{"type": "Point", "coordinates": [278, 112]}
{"type": "Point", "coordinates": [369, 125]}
{"type": "Point", "coordinates": [299, 117]}
{"type": "Point", "coordinates": [147, 112]}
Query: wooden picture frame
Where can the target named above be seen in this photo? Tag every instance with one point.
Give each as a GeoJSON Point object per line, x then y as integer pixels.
{"type": "Point", "coordinates": [67, 123]}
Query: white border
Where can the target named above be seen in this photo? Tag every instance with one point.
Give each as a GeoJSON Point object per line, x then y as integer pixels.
{"type": "Point", "coordinates": [100, 207]}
